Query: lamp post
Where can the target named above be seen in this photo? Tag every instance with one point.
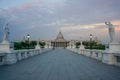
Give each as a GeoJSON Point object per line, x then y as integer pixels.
{"type": "Point", "coordinates": [28, 37]}
{"type": "Point", "coordinates": [91, 41]}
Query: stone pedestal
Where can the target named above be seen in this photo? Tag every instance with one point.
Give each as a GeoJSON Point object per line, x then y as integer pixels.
{"type": "Point", "coordinates": [50, 46]}
{"type": "Point", "coordinates": [73, 47]}
{"type": "Point", "coordinates": [5, 47]}
{"type": "Point", "coordinates": [69, 47]}
{"type": "Point", "coordinates": [37, 47]}
{"type": "Point", "coordinates": [94, 55]}
{"type": "Point", "coordinates": [114, 47]}
{"type": "Point", "coordinates": [46, 46]}
{"type": "Point", "coordinates": [81, 47]}
{"type": "Point", "coordinates": [100, 56]}
{"type": "Point", "coordinates": [109, 58]}
{"type": "Point", "coordinates": [10, 57]}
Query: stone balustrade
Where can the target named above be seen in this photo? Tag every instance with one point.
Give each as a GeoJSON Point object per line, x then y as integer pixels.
{"type": "Point", "coordinates": [18, 55]}
{"type": "Point", "coordinates": [101, 55]}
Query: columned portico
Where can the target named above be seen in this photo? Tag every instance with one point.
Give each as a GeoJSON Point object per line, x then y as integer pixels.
{"type": "Point", "coordinates": [60, 44]}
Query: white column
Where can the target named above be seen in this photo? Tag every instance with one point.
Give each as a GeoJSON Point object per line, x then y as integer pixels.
{"type": "Point", "coordinates": [100, 56]}
{"type": "Point", "coordinates": [26, 56]}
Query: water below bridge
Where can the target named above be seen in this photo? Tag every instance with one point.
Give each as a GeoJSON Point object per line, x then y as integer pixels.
{"type": "Point", "coordinates": [59, 64]}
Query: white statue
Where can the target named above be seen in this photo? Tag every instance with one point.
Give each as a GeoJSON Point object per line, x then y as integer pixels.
{"type": "Point", "coordinates": [6, 32]}
{"type": "Point", "coordinates": [81, 46]}
{"type": "Point", "coordinates": [81, 42]}
{"type": "Point", "coordinates": [5, 46]}
{"type": "Point", "coordinates": [38, 42]}
{"type": "Point", "coordinates": [37, 45]}
{"type": "Point", "coordinates": [111, 31]}
{"type": "Point", "coordinates": [46, 46]}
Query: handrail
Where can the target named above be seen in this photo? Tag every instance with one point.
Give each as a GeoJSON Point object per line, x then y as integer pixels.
{"type": "Point", "coordinates": [105, 56]}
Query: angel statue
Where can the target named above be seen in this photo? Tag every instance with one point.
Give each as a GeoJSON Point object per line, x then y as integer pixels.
{"type": "Point", "coordinates": [6, 32]}
{"type": "Point", "coordinates": [111, 31]}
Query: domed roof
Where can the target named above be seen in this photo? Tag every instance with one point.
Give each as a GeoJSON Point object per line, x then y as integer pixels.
{"type": "Point", "coordinates": [60, 37]}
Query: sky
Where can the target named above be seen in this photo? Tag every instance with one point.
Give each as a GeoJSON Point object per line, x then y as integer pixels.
{"type": "Point", "coordinates": [76, 19]}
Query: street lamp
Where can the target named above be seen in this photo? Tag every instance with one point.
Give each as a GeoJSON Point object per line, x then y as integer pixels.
{"type": "Point", "coordinates": [28, 37]}
{"type": "Point", "coordinates": [91, 41]}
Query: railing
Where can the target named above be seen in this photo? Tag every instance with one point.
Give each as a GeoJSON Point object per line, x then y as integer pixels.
{"type": "Point", "coordinates": [18, 55]}
{"type": "Point", "coordinates": [102, 55]}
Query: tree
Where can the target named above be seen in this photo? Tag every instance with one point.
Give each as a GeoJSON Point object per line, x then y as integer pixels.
{"type": "Point", "coordinates": [33, 43]}
{"type": "Point", "coordinates": [42, 44]}
{"type": "Point", "coordinates": [77, 44]}
{"type": "Point", "coordinates": [17, 45]}
{"type": "Point", "coordinates": [95, 45]}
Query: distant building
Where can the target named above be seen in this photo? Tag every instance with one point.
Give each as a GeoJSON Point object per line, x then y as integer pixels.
{"type": "Point", "coordinates": [59, 42]}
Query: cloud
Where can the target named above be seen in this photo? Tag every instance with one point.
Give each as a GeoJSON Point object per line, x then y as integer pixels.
{"type": "Point", "coordinates": [99, 29]}
{"type": "Point", "coordinates": [44, 18]}
{"type": "Point", "coordinates": [77, 27]}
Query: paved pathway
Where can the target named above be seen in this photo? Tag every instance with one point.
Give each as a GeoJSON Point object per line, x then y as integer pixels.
{"type": "Point", "coordinates": [59, 64]}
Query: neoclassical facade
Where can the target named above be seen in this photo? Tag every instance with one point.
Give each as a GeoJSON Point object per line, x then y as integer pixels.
{"type": "Point", "coordinates": [60, 42]}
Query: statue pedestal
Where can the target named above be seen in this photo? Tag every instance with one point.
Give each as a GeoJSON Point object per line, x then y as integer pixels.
{"type": "Point", "coordinates": [37, 47]}
{"type": "Point", "coordinates": [50, 47]}
{"type": "Point", "coordinates": [82, 47]}
{"type": "Point", "coordinates": [46, 46]}
{"type": "Point", "coordinates": [68, 47]}
{"type": "Point", "coordinates": [73, 46]}
{"type": "Point", "coordinates": [10, 57]}
{"type": "Point", "coordinates": [114, 47]}
{"type": "Point", "coordinates": [5, 47]}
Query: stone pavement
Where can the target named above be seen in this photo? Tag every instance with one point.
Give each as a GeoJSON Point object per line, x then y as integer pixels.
{"type": "Point", "coordinates": [59, 64]}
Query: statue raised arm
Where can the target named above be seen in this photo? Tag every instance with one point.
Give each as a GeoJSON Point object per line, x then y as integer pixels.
{"type": "Point", "coordinates": [111, 31]}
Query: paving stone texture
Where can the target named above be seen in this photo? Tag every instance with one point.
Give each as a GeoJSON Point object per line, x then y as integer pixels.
{"type": "Point", "coordinates": [59, 64]}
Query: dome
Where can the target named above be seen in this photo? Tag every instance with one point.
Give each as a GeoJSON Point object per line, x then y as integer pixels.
{"type": "Point", "coordinates": [60, 37]}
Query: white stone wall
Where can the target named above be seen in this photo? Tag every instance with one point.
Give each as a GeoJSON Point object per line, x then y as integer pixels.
{"type": "Point", "coordinates": [103, 56]}
{"type": "Point", "coordinates": [16, 56]}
